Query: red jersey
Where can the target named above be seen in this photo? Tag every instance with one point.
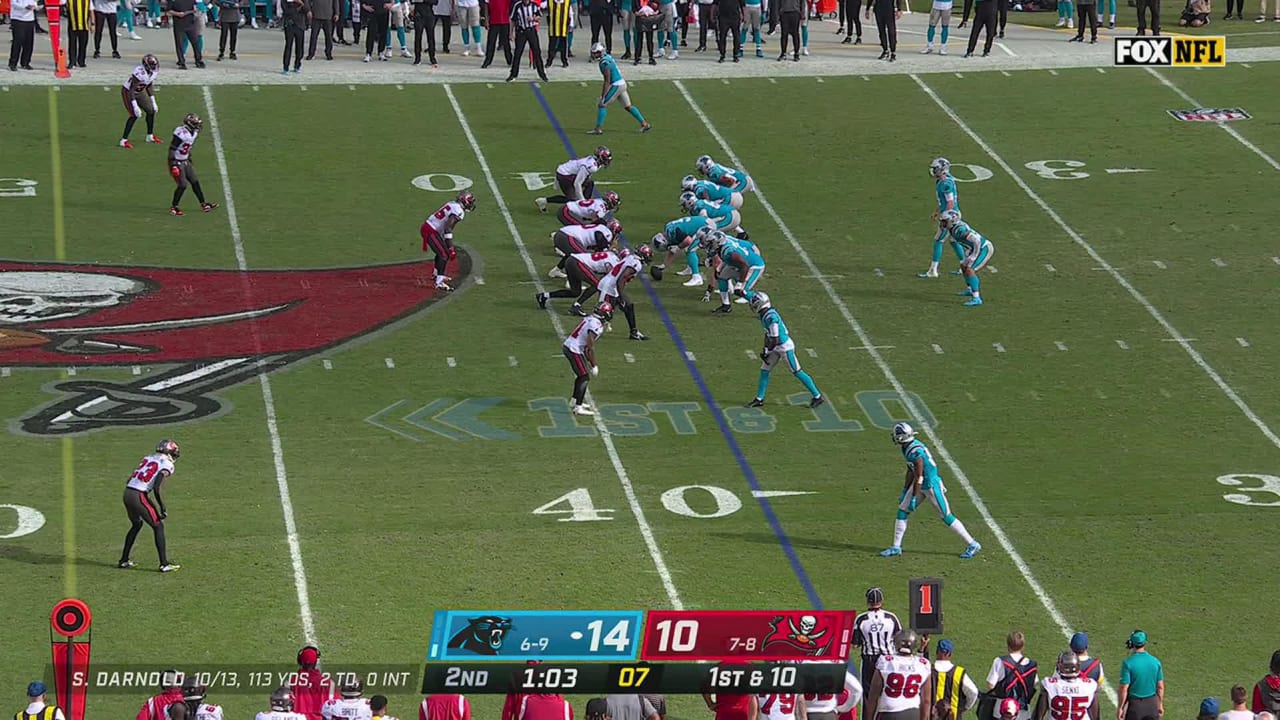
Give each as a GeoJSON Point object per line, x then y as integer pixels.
{"type": "Point", "coordinates": [154, 707]}
{"type": "Point", "coordinates": [445, 707]}
{"type": "Point", "coordinates": [511, 707]}
{"type": "Point", "coordinates": [545, 707]}
{"type": "Point", "coordinates": [311, 689]}
{"type": "Point", "coordinates": [733, 707]}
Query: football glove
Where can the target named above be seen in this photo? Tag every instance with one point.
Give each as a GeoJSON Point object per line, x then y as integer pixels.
{"type": "Point", "coordinates": [175, 171]}
{"type": "Point", "coordinates": [764, 355]}
{"type": "Point", "coordinates": [595, 370]}
{"type": "Point", "coordinates": [706, 296]}
{"type": "Point", "coordinates": [453, 254]}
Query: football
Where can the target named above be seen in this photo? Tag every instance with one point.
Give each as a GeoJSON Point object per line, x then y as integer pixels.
{"type": "Point", "coordinates": [655, 272]}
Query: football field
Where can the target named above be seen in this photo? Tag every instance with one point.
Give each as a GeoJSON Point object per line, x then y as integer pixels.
{"type": "Point", "coordinates": [359, 450]}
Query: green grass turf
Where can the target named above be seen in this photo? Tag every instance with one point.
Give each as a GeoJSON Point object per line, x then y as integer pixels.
{"type": "Point", "coordinates": [1099, 462]}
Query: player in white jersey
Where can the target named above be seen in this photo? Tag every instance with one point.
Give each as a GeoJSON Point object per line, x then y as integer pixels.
{"type": "Point", "coordinates": [575, 178]}
{"type": "Point", "coordinates": [588, 238]}
{"type": "Point", "coordinates": [143, 485]}
{"type": "Point", "coordinates": [782, 706]}
{"type": "Point", "coordinates": [281, 707]}
{"type": "Point", "coordinates": [437, 233]}
{"type": "Point", "coordinates": [180, 167]}
{"type": "Point", "coordinates": [193, 694]}
{"type": "Point", "coordinates": [613, 286]}
{"type": "Point", "coordinates": [590, 211]}
{"type": "Point", "coordinates": [138, 93]}
{"type": "Point", "coordinates": [580, 350]}
{"type": "Point", "coordinates": [901, 681]}
{"type": "Point", "coordinates": [351, 705]}
{"type": "Point", "coordinates": [1067, 695]}
{"type": "Point", "coordinates": [584, 273]}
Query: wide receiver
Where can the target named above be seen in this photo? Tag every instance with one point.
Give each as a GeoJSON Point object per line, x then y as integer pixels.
{"type": "Point", "coordinates": [144, 485]}
{"type": "Point", "coordinates": [180, 167]}
{"type": "Point", "coordinates": [1067, 695]}
{"type": "Point", "coordinates": [437, 233]}
{"type": "Point", "coordinates": [902, 687]}
{"type": "Point", "coordinates": [139, 98]}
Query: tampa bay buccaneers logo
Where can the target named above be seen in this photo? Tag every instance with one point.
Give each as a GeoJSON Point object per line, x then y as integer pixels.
{"type": "Point", "coordinates": [194, 331]}
{"type": "Point", "coordinates": [482, 635]}
{"type": "Point", "coordinates": [799, 633]}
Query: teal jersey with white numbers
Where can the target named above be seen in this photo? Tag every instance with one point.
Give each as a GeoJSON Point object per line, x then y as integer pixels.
{"type": "Point", "coordinates": [707, 190]}
{"type": "Point", "coordinates": [946, 189]}
{"type": "Point", "coordinates": [718, 171]}
{"type": "Point", "coordinates": [609, 69]}
{"type": "Point", "coordinates": [717, 212]}
{"type": "Point", "coordinates": [775, 331]}
{"type": "Point", "coordinates": [915, 450]}
{"type": "Point", "coordinates": [680, 229]}
{"type": "Point", "coordinates": [741, 253]}
{"type": "Point", "coordinates": [968, 238]}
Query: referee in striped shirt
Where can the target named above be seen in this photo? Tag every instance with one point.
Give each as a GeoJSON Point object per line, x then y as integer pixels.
{"type": "Point", "coordinates": [524, 25]}
{"type": "Point", "coordinates": [873, 633]}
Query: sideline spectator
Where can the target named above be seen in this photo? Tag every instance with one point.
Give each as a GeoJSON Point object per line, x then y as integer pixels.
{"type": "Point", "coordinates": [952, 686]}
{"type": "Point", "coordinates": [22, 25]}
{"type": "Point", "coordinates": [984, 19]}
{"type": "Point", "coordinates": [445, 15]}
{"type": "Point", "coordinates": [729, 22]}
{"type": "Point", "coordinates": [628, 707]}
{"type": "Point", "coordinates": [324, 15]}
{"type": "Point", "coordinates": [444, 707]}
{"type": "Point", "coordinates": [545, 707]}
{"type": "Point", "coordinates": [424, 22]}
{"type": "Point", "coordinates": [229, 19]}
{"type": "Point", "coordinates": [753, 21]}
{"type": "Point", "coordinates": [597, 709]}
{"type": "Point", "coordinates": [1141, 679]}
{"type": "Point", "coordinates": [1239, 705]}
{"type": "Point", "coordinates": [732, 707]}
{"type": "Point", "coordinates": [104, 17]}
{"type": "Point", "coordinates": [37, 709]}
{"type": "Point", "coordinates": [1090, 667]}
{"type": "Point", "coordinates": [398, 18]}
{"type": "Point", "coordinates": [378, 706]}
{"type": "Point", "coordinates": [788, 12]}
{"type": "Point", "coordinates": [1266, 694]}
{"type": "Point", "coordinates": [1208, 709]}
{"type": "Point", "coordinates": [659, 703]}
{"type": "Point", "coordinates": [183, 19]}
{"type": "Point", "coordinates": [311, 688]}
{"type": "Point", "coordinates": [559, 23]}
{"type": "Point", "coordinates": [1013, 675]}
{"type": "Point", "coordinates": [1087, 10]}
{"type": "Point", "coordinates": [294, 15]}
{"type": "Point", "coordinates": [469, 25]}
{"type": "Point", "coordinates": [601, 13]}
{"type": "Point", "coordinates": [887, 14]}
{"type": "Point", "coordinates": [125, 11]}
{"type": "Point", "coordinates": [499, 30]}
{"type": "Point", "coordinates": [704, 9]}
{"type": "Point", "coordinates": [1195, 14]}
{"type": "Point", "coordinates": [376, 15]}
{"type": "Point", "coordinates": [647, 20]}
{"type": "Point", "coordinates": [1145, 6]}
{"type": "Point", "coordinates": [170, 692]}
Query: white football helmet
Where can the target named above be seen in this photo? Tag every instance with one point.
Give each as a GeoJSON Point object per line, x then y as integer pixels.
{"type": "Point", "coordinates": [703, 164]}
{"type": "Point", "coordinates": [760, 302]}
{"type": "Point", "coordinates": [688, 183]}
{"type": "Point", "coordinates": [948, 218]}
{"type": "Point", "coordinates": [716, 240]}
{"type": "Point", "coordinates": [659, 241]}
{"type": "Point", "coordinates": [597, 51]}
{"type": "Point", "coordinates": [939, 167]}
{"type": "Point", "coordinates": [688, 200]}
{"type": "Point", "coordinates": [903, 433]}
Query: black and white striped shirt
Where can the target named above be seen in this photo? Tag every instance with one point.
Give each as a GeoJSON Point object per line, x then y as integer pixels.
{"type": "Point", "coordinates": [873, 632]}
{"type": "Point", "coordinates": [524, 15]}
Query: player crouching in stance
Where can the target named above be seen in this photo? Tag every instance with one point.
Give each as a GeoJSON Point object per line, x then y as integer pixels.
{"type": "Point", "coordinates": [923, 481]}
{"type": "Point", "coordinates": [281, 707]}
{"type": "Point", "coordinates": [778, 345]}
{"type": "Point", "coordinates": [977, 251]}
{"type": "Point", "coordinates": [740, 263]}
{"type": "Point", "coordinates": [143, 484]}
{"type": "Point", "coordinates": [437, 234]}
{"type": "Point", "coordinates": [576, 178]}
{"type": "Point", "coordinates": [580, 350]}
{"type": "Point", "coordinates": [715, 192]}
{"type": "Point", "coordinates": [683, 234]}
{"type": "Point", "coordinates": [902, 686]}
{"type": "Point", "coordinates": [736, 180]}
{"type": "Point", "coordinates": [584, 273]}
{"type": "Point", "coordinates": [615, 88]}
{"type": "Point", "coordinates": [614, 284]}
{"type": "Point", "coordinates": [139, 99]}
{"type": "Point", "coordinates": [726, 219]}
{"type": "Point", "coordinates": [590, 211]}
{"type": "Point", "coordinates": [1066, 693]}
{"type": "Point", "coordinates": [180, 167]}
{"type": "Point", "coordinates": [573, 239]}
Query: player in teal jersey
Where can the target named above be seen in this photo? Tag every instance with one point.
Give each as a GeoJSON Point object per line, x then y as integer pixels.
{"type": "Point", "coordinates": [753, 12]}
{"type": "Point", "coordinates": [726, 219]}
{"type": "Point", "coordinates": [778, 346]}
{"type": "Point", "coordinates": [615, 88]}
{"type": "Point", "coordinates": [707, 190]}
{"type": "Point", "coordinates": [974, 249]}
{"type": "Point", "coordinates": [735, 180]}
{"type": "Point", "coordinates": [684, 233]}
{"type": "Point", "coordinates": [945, 186]}
{"type": "Point", "coordinates": [740, 263]}
{"type": "Point", "coordinates": [923, 481]}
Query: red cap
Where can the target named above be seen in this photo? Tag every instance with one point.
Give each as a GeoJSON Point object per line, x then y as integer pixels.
{"type": "Point", "coordinates": [308, 656]}
{"type": "Point", "coordinates": [1009, 706]}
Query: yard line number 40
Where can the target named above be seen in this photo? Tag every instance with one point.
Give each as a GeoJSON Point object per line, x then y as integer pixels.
{"type": "Point", "coordinates": [577, 505]}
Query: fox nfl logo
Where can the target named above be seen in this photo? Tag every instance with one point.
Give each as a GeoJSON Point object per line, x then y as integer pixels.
{"type": "Point", "coordinates": [1167, 51]}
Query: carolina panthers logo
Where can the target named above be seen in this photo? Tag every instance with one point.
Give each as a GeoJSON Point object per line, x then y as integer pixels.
{"type": "Point", "coordinates": [483, 635]}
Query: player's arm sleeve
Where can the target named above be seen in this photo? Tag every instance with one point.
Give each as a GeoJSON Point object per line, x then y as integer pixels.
{"type": "Point", "coordinates": [857, 632]}
{"type": "Point", "coordinates": [771, 334]}
{"type": "Point", "coordinates": [970, 690]}
{"type": "Point", "coordinates": [1124, 674]}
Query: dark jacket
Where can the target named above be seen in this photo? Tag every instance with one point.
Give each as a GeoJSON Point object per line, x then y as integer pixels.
{"type": "Point", "coordinates": [324, 9]}
{"type": "Point", "coordinates": [293, 13]}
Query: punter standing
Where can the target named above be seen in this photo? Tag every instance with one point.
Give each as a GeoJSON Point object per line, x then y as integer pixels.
{"type": "Point", "coordinates": [143, 502]}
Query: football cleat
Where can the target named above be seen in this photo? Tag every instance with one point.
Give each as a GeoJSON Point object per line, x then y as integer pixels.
{"type": "Point", "coordinates": [126, 144]}
{"type": "Point", "coordinates": [170, 567]}
{"type": "Point", "coordinates": [741, 300]}
{"type": "Point", "coordinates": [576, 309]}
{"type": "Point", "coordinates": [637, 335]}
{"type": "Point", "coordinates": [757, 402]}
{"type": "Point", "coordinates": [817, 401]}
{"type": "Point", "coordinates": [153, 139]}
{"type": "Point", "coordinates": [208, 206]}
{"type": "Point", "coordinates": [541, 298]}
{"type": "Point", "coordinates": [973, 302]}
{"type": "Point", "coordinates": [722, 310]}
{"type": "Point", "coordinates": [556, 272]}
{"type": "Point", "coordinates": [583, 409]}
{"type": "Point", "coordinates": [928, 274]}
{"type": "Point", "coordinates": [973, 549]}
{"type": "Point", "coordinates": [541, 203]}
{"type": "Point", "coordinates": [891, 552]}
{"type": "Point", "coordinates": [168, 447]}
{"type": "Point", "coordinates": [694, 281]}
{"type": "Point", "coordinates": [684, 272]}
{"type": "Point", "coordinates": [176, 212]}
{"type": "Point", "coordinates": [126, 564]}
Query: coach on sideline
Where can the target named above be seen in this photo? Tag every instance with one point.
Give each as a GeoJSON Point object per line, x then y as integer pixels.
{"type": "Point", "coordinates": [1141, 682]}
{"type": "Point", "coordinates": [36, 707]}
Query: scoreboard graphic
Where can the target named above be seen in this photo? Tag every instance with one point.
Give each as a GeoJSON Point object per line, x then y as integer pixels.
{"type": "Point", "coordinates": [620, 651]}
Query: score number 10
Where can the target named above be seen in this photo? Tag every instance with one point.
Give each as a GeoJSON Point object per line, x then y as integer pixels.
{"type": "Point", "coordinates": [677, 635]}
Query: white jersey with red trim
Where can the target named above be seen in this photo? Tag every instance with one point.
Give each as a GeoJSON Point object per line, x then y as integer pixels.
{"type": "Point", "coordinates": [440, 220]}
{"type": "Point", "coordinates": [1069, 698]}
{"type": "Point", "coordinates": [141, 78]}
{"type": "Point", "coordinates": [586, 234]}
{"type": "Point", "coordinates": [610, 284]}
{"type": "Point", "coordinates": [148, 471]}
{"type": "Point", "coordinates": [778, 706]}
{"type": "Point", "coordinates": [597, 262]}
{"type": "Point", "coordinates": [279, 715]}
{"type": "Point", "coordinates": [346, 709]}
{"type": "Point", "coordinates": [904, 677]}
{"type": "Point", "coordinates": [208, 711]}
{"type": "Point", "coordinates": [590, 326]}
{"type": "Point", "coordinates": [574, 166]}
{"type": "Point", "coordinates": [186, 138]}
{"type": "Point", "coordinates": [587, 211]}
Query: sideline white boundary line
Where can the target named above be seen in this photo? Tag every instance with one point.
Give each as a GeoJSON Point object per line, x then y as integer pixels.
{"type": "Point", "coordinates": [646, 530]}
{"type": "Point", "coordinates": [935, 441]}
{"type": "Point", "coordinates": [1230, 130]}
{"type": "Point", "coordinates": [268, 399]}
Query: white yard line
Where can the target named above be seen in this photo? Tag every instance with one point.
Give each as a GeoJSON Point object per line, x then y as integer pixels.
{"type": "Point", "coordinates": [1225, 126]}
{"type": "Point", "coordinates": [646, 530]}
{"type": "Point", "coordinates": [1141, 299]}
{"type": "Point", "coordinates": [907, 401]}
{"type": "Point", "coordinates": [268, 399]}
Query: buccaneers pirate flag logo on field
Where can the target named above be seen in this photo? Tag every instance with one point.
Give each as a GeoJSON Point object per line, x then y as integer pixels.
{"type": "Point", "coordinates": [209, 328]}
